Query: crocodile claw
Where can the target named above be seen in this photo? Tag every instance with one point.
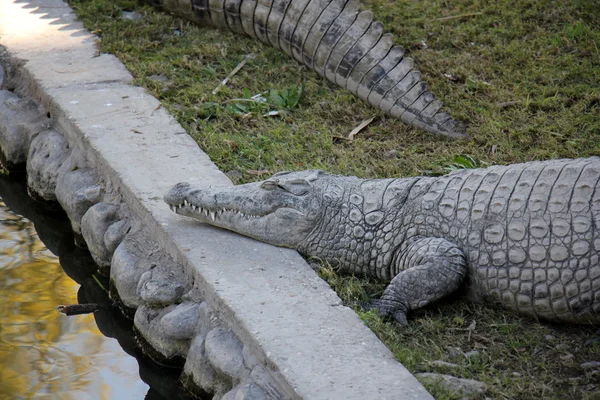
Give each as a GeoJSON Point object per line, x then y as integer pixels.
{"type": "Point", "coordinates": [387, 311]}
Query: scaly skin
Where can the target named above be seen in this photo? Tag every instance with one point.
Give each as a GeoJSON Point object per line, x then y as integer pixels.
{"type": "Point", "coordinates": [334, 39]}
{"type": "Point", "coordinates": [525, 236]}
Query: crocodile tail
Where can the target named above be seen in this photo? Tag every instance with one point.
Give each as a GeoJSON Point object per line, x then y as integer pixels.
{"type": "Point", "coordinates": [335, 39]}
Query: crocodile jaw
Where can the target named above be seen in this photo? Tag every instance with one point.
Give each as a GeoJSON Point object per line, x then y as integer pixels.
{"type": "Point", "coordinates": [253, 225]}
{"type": "Point", "coordinates": [244, 210]}
{"type": "Point", "coordinates": [211, 216]}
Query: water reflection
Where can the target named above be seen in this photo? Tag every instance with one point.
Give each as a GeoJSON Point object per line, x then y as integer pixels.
{"type": "Point", "coordinates": [44, 354]}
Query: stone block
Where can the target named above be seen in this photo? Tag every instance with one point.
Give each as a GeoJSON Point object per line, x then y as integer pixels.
{"type": "Point", "coordinates": [48, 158]}
{"type": "Point", "coordinates": [115, 233]}
{"type": "Point", "coordinates": [163, 284]}
{"type": "Point", "coordinates": [182, 321]}
{"type": "Point", "coordinates": [148, 322]}
{"type": "Point", "coordinates": [133, 257]}
{"type": "Point", "coordinates": [94, 224]}
{"type": "Point", "coordinates": [224, 351]}
{"type": "Point", "coordinates": [246, 391]}
{"type": "Point", "coordinates": [76, 191]}
{"type": "Point", "coordinates": [20, 122]}
{"type": "Point", "coordinates": [201, 370]}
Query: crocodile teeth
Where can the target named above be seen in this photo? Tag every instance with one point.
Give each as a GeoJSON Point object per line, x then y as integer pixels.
{"type": "Point", "coordinates": [213, 215]}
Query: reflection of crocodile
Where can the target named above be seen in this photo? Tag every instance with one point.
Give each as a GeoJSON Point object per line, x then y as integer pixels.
{"type": "Point", "coordinates": [527, 236]}
{"type": "Point", "coordinates": [337, 41]}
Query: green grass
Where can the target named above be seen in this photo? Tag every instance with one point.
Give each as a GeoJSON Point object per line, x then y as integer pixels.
{"type": "Point", "coordinates": [523, 75]}
{"type": "Point", "coordinates": [538, 56]}
{"type": "Point", "coordinates": [517, 357]}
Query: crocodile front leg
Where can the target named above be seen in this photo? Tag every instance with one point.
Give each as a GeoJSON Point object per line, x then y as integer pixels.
{"type": "Point", "coordinates": [431, 268]}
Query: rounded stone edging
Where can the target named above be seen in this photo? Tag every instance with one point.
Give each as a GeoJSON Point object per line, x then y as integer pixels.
{"type": "Point", "coordinates": [168, 316]}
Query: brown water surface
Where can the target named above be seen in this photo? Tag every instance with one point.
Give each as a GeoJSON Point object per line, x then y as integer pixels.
{"type": "Point", "coordinates": [44, 354]}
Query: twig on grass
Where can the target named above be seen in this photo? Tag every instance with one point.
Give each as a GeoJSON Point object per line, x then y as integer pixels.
{"type": "Point", "coordinates": [458, 16]}
{"type": "Point", "coordinates": [235, 71]}
{"type": "Point", "coordinates": [507, 104]}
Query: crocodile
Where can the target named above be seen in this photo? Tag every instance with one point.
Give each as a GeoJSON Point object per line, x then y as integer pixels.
{"type": "Point", "coordinates": [339, 42]}
{"type": "Point", "coordinates": [525, 237]}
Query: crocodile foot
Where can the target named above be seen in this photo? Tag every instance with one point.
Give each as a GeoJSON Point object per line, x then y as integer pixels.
{"type": "Point", "coordinates": [387, 310]}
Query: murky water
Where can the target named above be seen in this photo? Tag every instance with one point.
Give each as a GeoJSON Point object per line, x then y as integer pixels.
{"type": "Point", "coordinates": [44, 354]}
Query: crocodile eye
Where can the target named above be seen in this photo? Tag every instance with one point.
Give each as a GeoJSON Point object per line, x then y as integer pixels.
{"type": "Point", "coordinates": [268, 185]}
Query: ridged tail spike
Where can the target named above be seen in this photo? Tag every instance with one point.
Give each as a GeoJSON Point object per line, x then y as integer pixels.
{"type": "Point", "coordinates": [398, 83]}
{"type": "Point", "coordinates": [407, 101]}
{"type": "Point", "coordinates": [378, 72]}
{"type": "Point", "coordinates": [333, 34]}
{"type": "Point", "coordinates": [275, 19]}
{"type": "Point", "coordinates": [417, 107]}
{"type": "Point", "coordinates": [261, 17]}
{"type": "Point", "coordinates": [318, 30]}
{"type": "Point", "coordinates": [357, 52]}
{"type": "Point", "coordinates": [368, 62]}
{"type": "Point", "coordinates": [217, 14]}
{"type": "Point", "coordinates": [431, 109]}
{"type": "Point", "coordinates": [201, 12]}
{"type": "Point", "coordinates": [183, 9]}
{"type": "Point", "coordinates": [247, 16]}
{"type": "Point", "coordinates": [377, 97]}
{"type": "Point", "coordinates": [233, 16]}
{"type": "Point", "coordinates": [289, 24]}
{"type": "Point", "coordinates": [307, 20]}
{"type": "Point", "coordinates": [338, 42]}
{"type": "Point", "coordinates": [346, 41]}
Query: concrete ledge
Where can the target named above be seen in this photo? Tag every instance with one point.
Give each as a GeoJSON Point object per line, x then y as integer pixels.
{"type": "Point", "coordinates": [288, 333]}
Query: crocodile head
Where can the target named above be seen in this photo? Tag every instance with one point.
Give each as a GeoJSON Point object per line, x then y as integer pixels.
{"type": "Point", "coordinates": [281, 210]}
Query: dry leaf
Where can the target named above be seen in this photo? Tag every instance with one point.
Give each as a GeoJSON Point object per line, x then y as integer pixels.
{"type": "Point", "coordinates": [258, 171]}
{"type": "Point", "coordinates": [360, 128]}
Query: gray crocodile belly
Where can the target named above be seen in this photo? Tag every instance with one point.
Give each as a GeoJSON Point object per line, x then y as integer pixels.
{"type": "Point", "coordinates": [531, 233]}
